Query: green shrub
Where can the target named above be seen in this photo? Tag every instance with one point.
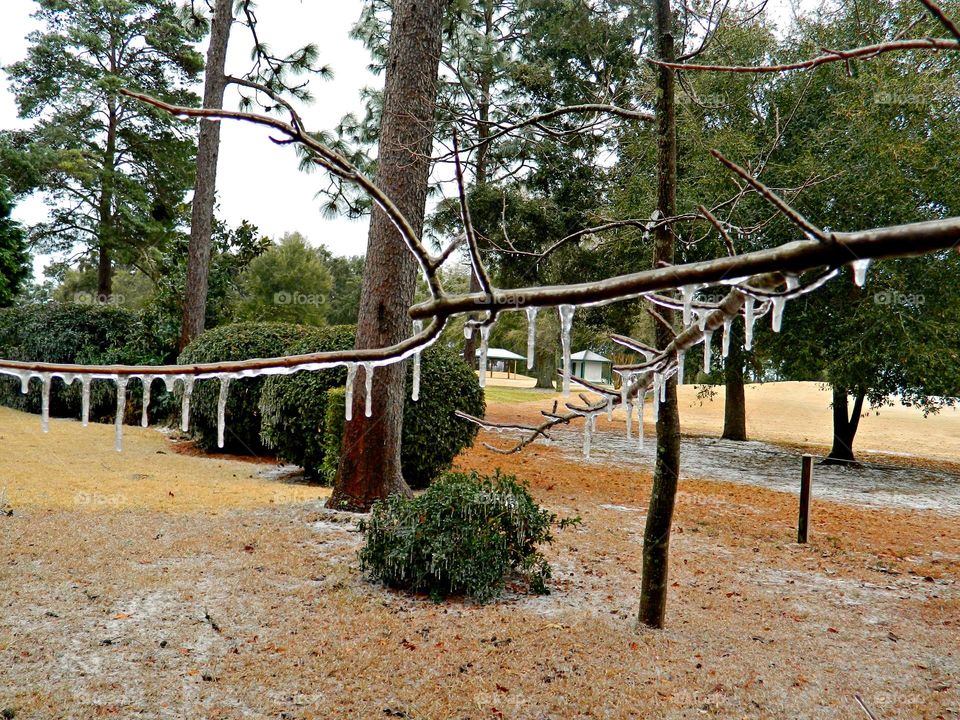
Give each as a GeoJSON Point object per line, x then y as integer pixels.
{"type": "Point", "coordinates": [82, 334]}
{"type": "Point", "coordinates": [333, 424]}
{"type": "Point", "coordinates": [241, 341]}
{"type": "Point", "coordinates": [295, 409]}
{"type": "Point", "coordinates": [463, 535]}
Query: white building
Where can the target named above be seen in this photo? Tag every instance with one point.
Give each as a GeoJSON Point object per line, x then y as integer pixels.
{"type": "Point", "coordinates": [592, 366]}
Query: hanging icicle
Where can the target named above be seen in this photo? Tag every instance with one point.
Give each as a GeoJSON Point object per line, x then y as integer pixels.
{"type": "Point", "coordinates": [368, 388]}
{"type": "Point", "coordinates": [45, 402]}
{"type": "Point", "coordinates": [640, 410]}
{"type": "Point", "coordinates": [748, 319]}
{"type": "Point", "coordinates": [348, 399]}
{"type": "Point", "coordinates": [587, 435]}
{"type": "Point", "coordinates": [655, 397]}
{"type": "Point", "coordinates": [222, 409]}
{"type": "Point", "coordinates": [707, 349]}
{"type": "Point", "coordinates": [609, 408]}
{"type": "Point", "coordinates": [482, 364]}
{"type": "Point", "coordinates": [415, 394]}
{"type": "Point", "coordinates": [84, 400]}
{"type": "Point", "coordinates": [467, 331]}
{"type": "Point", "coordinates": [681, 358]}
{"type": "Point", "coordinates": [702, 319]}
{"type": "Point", "coordinates": [147, 381]}
{"type": "Point", "coordinates": [121, 407]}
{"type": "Point", "coordinates": [566, 324]}
{"type": "Point", "coordinates": [727, 327]}
{"type": "Point", "coordinates": [860, 268]}
{"type": "Point", "coordinates": [663, 387]}
{"type": "Point", "coordinates": [628, 406]}
{"type": "Point", "coordinates": [186, 383]}
{"type": "Point", "coordinates": [688, 293]}
{"type": "Point", "coordinates": [531, 335]}
{"type": "Point", "coordinates": [25, 383]}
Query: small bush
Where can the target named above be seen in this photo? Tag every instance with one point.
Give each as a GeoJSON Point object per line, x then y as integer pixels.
{"type": "Point", "coordinates": [82, 334]}
{"type": "Point", "coordinates": [296, 408]}
{"type": "Point", "coordinates": [464, 535]}
{"type": "Point", "coordinates": [241, 341]}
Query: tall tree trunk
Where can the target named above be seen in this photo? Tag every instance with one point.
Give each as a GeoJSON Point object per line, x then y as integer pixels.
{"type": "Point", "coordinates": [545, 364]}
{"type": "Point", "coordinates": [106, 232]}
{"type": "Point", "coordinates": [205, 187]}
{"type": "Point", "coordinates": [656, 536]}
{"type": "Point", "coordinates": [845, 424]}
{"type": "Point", "coordinates": [370, 455]}
{"type": "Point", "coordinates": [735, 403]}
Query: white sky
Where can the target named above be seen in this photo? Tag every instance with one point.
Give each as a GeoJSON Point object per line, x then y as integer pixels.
{"type": "Point", "coordinates": [258, 181]}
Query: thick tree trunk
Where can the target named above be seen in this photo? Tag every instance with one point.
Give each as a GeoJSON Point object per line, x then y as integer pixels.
{"type": "Point", "coordinates": [656, 536]}
{"type": "Point", "coordinates": [545, 364]}
{"type": "Point", "coordinates": [106, 232]}
{"type": "Point", "coordinates": [845, 424]}
{"type": "Point", "coordinates": [370, 456]}
{"type": "Point", "coordinates": [735, 404]}
{"type": "Point", "coordinates": [205, 187]}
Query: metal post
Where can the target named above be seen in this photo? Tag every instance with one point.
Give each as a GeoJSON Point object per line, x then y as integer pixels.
{"type": "Point", "coordinates": [806, 480]}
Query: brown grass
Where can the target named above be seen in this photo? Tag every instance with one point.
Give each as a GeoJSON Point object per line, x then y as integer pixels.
{"type": "Point", "coordinates": [112, 613]}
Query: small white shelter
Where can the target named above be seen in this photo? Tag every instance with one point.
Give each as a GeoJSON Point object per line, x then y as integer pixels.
{"type": "Point", "coordinates": [501, 360]}
{"type": "Point", "coordinates": [591, 366]}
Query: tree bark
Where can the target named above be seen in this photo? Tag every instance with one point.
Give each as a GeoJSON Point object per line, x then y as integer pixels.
{"type": "Point", "coordinates": [370, 456]}
{"type": "Point", "coordinates": [845, 425]}
{"type": "Point", "coordinates": [205, 186]}
{"type": "Point", "coordinates": [106, 232]}
{"type": "Point", "coordinates": [545, 364]}
{"type": "Point", "coordinates": [656, 537]}
{"type": "Point", "coordinates": [735, 403]}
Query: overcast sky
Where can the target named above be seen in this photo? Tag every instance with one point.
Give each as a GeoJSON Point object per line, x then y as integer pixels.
{"type": "Point", "coordinates": [258, 181]}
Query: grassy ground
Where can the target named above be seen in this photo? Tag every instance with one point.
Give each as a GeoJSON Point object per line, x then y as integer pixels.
{"type": "Point", "coordinates": [257, 609]}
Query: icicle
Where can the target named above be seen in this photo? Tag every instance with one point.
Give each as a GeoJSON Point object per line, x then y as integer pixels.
{"type": "Point", "coordinates": [121, 407]}
{"type": "Point", "coordinates": [169, 381]}
{"type": "Point", "coordinates": [860, 268]}
{"type": "Point", "coordinates": [147, 381]}
{"type": "Point", "coordinates": [663, 388]}
{"type": "Point", "coordinates": [655, 396]}
{"type": "Point", "coordinates": [566, 324]}
{"type": "Point", "coordinates": [415, 394]}
{"type": "Point", "coordinates": [531, 335]}
{"type": "Point", "coordinates": [640, 409]}
{"type": "Point", "coordinates": [85, 400]}
{"type": "Point", "coordinates": [587, 433]}
{"type": "Point", "coordinates": [727, 327]}
{"type": "Point", "coordinates": [25, 383]}
{"type": "Point", "coordinates": [681, 357]}
{"type": "Point", "coordinates": [624, 386]}
{"type": "Point", "coordinates": [482, 364]}
{"type": "Point", "coordinates": [348, 400]}
{"type": "Point", "coordinates": [629, 408]}
{"type": "Point", "coordinates": [707, 349]}
{"type": "Point", "coordinates": [45, 403]}
{"type": "Point", "coordinates": [187, 383]}
{"type": "Point", "coordinates": [776, 317]}
{"type": "Point", "coordinates": [687, 292]}
{"type": "Point", "coordinates": [222, 409]}
{"type": "Point", "coordinates": [749, 318]}
{"type": "Point", "coordinates": [368, 388]}
{"type": "Point", "coordinates": [609, 408]}
{"type": "Point", "coordinates": [468, 331]}
{"type": "Point", "coordinates": [702, 319]}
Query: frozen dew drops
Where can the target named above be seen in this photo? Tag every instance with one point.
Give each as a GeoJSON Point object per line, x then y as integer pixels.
{"type": "Point", "coordinates": [45, 402]}
{"type": "Point", "coordinates": [860, 268]}
{"type": "Point", "coordinates": [348, 399]}
{"type": "Point", "coordinates": [531, 335]}
{"type": "Point", "coordinates": [415, 393]}
{"type": "Point", "coordinates": [222, 409]}
{"type": "Point", "coordinates": [368, 389]}
{"type": "Point", "coordinates": [566, 325]}
{"type": "Point", "coordinates": [121, 382]}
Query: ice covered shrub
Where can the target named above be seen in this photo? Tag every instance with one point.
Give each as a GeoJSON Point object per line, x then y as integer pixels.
{"type": "Point", "coordinates": [465, 534]}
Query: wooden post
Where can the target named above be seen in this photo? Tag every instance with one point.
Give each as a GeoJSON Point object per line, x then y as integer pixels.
{"type": "Point", "coordinates": [806, 480]}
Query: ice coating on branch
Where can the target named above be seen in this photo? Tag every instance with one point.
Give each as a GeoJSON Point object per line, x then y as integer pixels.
{"type": "Point", "coordinates": [681, 358]}
{"type": "Point", "coordinates": [688, 292]}
{"type": "Point", "coordinates": [368, 389]}
{"type": "Point", "coordinates": [415, 393]}
{"type": "Point", "coordinates": [860, 268]}
{"type": "Point", "coordinates": [187, 382]}
{"type": "Point", "coordinates": [748, 319]}
{"type": "Point", "coordinates": [566, 324]}
{"type": "Point", "coordinates": [348, 400]}
{"type": "Point", "coordinates": [85, 400]}
{"type": "Point", "coordinates": [222, 409]}
{"type": "Point", "coordinates": [121, 382]}
{"type": "Point", "coordinates": [707, 349]}
{"type": "Point", "coordinates": [45, 402]}
{"type": "Point", "coordinates": [531, 335]}
{"type": "Point", "coordinates": [727, 327]}
{"type": "Point", "coordinates": [484, 338]}
{"type": "Point", "coordinates": [147, 381]}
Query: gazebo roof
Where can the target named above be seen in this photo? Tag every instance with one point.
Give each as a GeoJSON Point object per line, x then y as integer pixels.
{"type": "Point", "coordinates": [589, 355]}
{"type": "Point", "coordinates": [501, 354]}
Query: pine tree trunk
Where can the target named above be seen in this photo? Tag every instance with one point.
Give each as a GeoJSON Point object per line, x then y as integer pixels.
{"type": "Point", "coordinates": [545, 364]}
{"type": "Point", "coordinates": [370, 456]}
{"type": "Point", "coordinates": [204, 195]}
{"type": "Point", "coordinates": [845, 425]}
{"type": "Point", "coordinates": [106, 231]}
{"type": "Point", "coordinates": [656, 537]}
{"type": "Point", "coordinates": [735, 403]}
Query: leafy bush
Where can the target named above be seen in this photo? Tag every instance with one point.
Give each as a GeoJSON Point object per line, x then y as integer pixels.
{"type": "Point", "coordinates": [295, 412]}
{"type": "Point", "coordinates": [241, 341]}
{"type": "Point", "coordinates": [333, 424]}
{"type": "Point", "coordinates": [463, 535]}
{"type": "Point", "coordinates": [76, 333]}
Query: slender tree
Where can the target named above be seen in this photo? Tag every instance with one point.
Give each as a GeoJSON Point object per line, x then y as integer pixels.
{"type": "Point", "coordinates": [14, 258]}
